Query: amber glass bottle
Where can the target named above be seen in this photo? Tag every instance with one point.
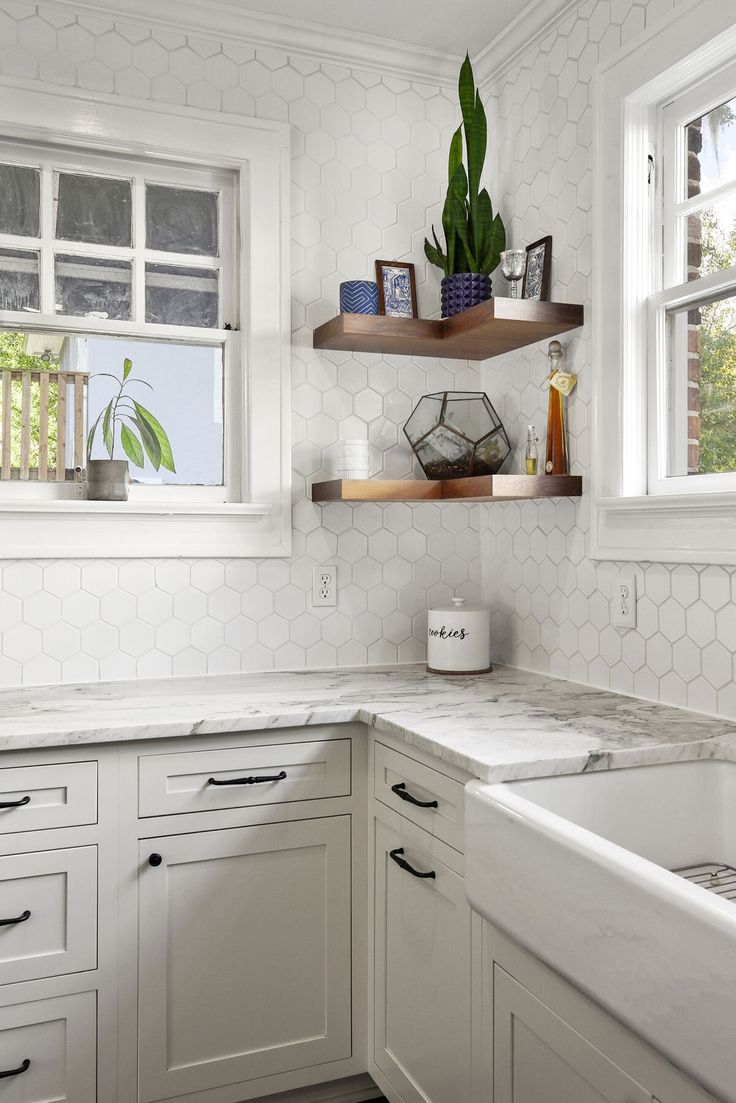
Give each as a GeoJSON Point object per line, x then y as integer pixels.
{"type": "Point", "coordinates": [556, 462]}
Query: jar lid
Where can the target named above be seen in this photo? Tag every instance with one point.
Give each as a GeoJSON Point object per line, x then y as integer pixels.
{"type": "Point", "coordinates": [459, 605]}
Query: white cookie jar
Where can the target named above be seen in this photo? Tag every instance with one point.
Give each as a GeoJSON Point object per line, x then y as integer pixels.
{"type": "Point", "coordinates": [459, 639]}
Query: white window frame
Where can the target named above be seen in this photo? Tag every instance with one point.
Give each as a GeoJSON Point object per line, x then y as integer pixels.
{"type": "Point", "coordinates": [255, 520]}
{"type": "Point", "coordinates": [683, 523]}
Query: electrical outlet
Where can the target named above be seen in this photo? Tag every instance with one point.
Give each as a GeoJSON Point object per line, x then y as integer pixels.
{"type": "Point", "coordinates": [324, 585]}
{"type": "Point", "coordinates": [623, 602]}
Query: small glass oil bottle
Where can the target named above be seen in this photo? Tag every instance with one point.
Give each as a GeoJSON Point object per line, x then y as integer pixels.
{"type": "Point", "coordinates": [532, 454]}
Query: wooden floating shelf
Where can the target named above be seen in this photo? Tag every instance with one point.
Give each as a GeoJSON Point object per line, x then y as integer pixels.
{"type": "Point", "coordinates": [489, 329]}
{"type": "Point", "coordinates": [480, 488]}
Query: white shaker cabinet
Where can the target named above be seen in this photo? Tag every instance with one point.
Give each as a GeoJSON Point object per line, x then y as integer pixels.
{"type": "Point", "coordinates": [244, 954]}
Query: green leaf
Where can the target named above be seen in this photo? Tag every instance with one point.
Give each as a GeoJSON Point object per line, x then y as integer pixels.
{"type": "Point", "coordinates": [434, 255]}
{"type": "Point", "coordinates": [476, 139]}
{"type": "Point", "coordinates": [91, 436]}
{"type": "Point", "coordinates": [131, 446]}
{"type": "Point", "coordinates": [167, 458]}
{"type": "Point", "coordinates": [456, 154]}
{"type": "Point", "coordinates": [466, 89]}
{"type": "Point", "coordinates": [150, 443]}
{"type": "Point", "coordinates": [127, 369]}
{"type": "Point", "coordinates": [459, 216]}
{"type": "Point", "coordinates": [107, 431]}
{"type": "Point", "coordinates": [496, 244]}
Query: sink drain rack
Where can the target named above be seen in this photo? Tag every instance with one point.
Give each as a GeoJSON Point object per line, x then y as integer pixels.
{"type": "Point", "coordinates": [713, 876]}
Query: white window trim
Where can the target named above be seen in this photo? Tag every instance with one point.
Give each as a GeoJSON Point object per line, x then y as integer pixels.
{"type": "Point", "coordinates": [627, 523]}
{"type": "Point", "coordinates": [260, 524]}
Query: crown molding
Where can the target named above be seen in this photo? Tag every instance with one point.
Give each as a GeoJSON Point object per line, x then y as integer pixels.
{"type": "Point", "coordinates": [529, 26]}
{"type": "Point", "coordinates": [226, 21]}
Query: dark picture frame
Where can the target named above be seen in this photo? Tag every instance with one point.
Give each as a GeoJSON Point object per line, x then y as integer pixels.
{"type": "Point", "coordinates": [397, 289]}
{"type": "Point", "coordinates": [538, 270]}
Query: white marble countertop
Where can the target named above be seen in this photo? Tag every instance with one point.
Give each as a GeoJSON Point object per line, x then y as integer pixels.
{"type": "Point", "coordinates": [499, 726]}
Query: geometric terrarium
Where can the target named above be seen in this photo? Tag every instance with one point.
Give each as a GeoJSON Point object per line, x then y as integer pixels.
{"type": "Point", "coordinates": [455, 434]}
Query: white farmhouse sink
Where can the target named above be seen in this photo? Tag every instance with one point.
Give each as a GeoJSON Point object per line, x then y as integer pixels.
{"type": "Point", "coordinates": [578, 870]}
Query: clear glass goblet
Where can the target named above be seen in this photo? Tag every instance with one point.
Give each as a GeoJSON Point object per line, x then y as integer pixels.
{"type": "Point", "coordinates": [513, 266]}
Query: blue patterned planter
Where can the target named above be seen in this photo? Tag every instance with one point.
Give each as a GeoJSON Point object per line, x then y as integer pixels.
{"type": "Point", "coordinates": [359, 297]}
{"type": "Point", "coordinates": [463, 290]}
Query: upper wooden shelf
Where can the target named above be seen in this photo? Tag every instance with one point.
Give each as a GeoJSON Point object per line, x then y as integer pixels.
{"type": "Point", "coordinates": [489, 329]}
{"type": "Point", "coordinates": [480, 488]}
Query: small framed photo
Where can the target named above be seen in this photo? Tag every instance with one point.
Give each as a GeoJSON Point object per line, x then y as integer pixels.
{"type": "Point", "coordinates": [397, 292]}
{"type": "Point", "coordinates": [538, 265]}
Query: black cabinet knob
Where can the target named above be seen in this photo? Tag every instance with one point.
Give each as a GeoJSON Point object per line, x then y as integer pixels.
{"type": "Point", "coordinates": [155, 860]}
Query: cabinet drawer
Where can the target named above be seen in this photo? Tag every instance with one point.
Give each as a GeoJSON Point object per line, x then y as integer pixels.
{"type": "Point", "coordinates": [57, 1038]}
{"type": "Point", "coordinates": [399, 781]}
{"type": "Point", "coordinates": [36, 798]}
{"type": "Point", "coordinates": [203, 781]}
{"type": "Point", "coordinates": [51, 899]}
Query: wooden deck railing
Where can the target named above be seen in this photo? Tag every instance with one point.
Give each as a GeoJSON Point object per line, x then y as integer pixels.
{"type": "Point", "coordinates": [69, 390]}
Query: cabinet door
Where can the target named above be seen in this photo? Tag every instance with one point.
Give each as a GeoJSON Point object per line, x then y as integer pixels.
{"type": "Point", "coordinates": [244, 951]}
{"type": "Point", "coordinates": [422, 974]}
{"type": "Point", "coordinates": [539, 1058]}
{"type": "Point", "coordinates": [48, 1050]}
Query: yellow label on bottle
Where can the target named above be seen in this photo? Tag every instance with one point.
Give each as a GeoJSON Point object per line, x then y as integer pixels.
{"type": "Point", "coordinates": [563, 381]}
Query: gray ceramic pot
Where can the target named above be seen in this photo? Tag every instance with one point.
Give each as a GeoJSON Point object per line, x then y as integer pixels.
{"type": "Point", "coordinates": [107, 480]}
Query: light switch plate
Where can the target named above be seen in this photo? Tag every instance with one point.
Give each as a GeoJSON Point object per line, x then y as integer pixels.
{"type": "Point", "coordinates": [623, 602]}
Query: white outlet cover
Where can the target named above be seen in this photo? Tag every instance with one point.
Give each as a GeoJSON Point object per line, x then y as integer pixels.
{"type": "Point", "coordinates": [623, 601]}
{"type": "Point", "coordinates": [324, 585]}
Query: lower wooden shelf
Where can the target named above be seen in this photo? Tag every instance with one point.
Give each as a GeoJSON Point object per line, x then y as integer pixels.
{"type": "Point", "coordinates": [480, 488]}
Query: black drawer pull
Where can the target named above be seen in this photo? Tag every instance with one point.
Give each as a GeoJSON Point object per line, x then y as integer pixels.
{"type": "Point", "coordinates": [400, 790]}
{"type": "Point", "coordinates": [257, 780]}
{"type": "Point", "coordinates": [402, 862]}
{"type": "Point", "coordinates": [18, 919]}
{"type": "Point", "coordinates": [15, 804]}
{"type": "Point", "coordinates": [155, 859]}
{"type": "Point", "coordinates": [16, 1072]}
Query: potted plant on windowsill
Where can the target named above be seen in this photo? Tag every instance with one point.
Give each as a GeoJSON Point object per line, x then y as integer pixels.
{"type": "Point", "coordinates": [474, 237]}
{"type": "Point", "coordinates": [140, 435]}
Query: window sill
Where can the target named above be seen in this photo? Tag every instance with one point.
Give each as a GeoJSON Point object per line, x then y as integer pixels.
{"type": "Point", "coordinates": [672, 528]}
{"type": "Point", "coordinates": [79, 507]}
{"type": "Point", "coordinates": [142, 530]}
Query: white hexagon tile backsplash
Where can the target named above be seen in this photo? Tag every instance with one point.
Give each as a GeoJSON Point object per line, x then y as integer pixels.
{"type": "Point", "coordinates": [549, 601]}
{"type": "Point", "coordinates": [368, 167]}
{"type": "Point", "coordinates": [369, 158]}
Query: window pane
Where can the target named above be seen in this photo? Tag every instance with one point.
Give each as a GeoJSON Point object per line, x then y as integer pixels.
{"type": "Point", "coordinates": [20, 200]}
{"type": "Point", "coordinates": [185, 396]}
{"type": "Point", "coordinates": [702, 399]}
{"type": "Point", "coordinates": [93, 209]}
{"type": "Point", "coordinates": [711, 149]}
{"type": "Point", "coordinates": [18, 280]}
{"type": "Point", "coordinates": [711, 239]}
{"type": "Point", "coordinates": [181, 221]}
{"type": "Point", "coordinates": [86, 285]}
{"type": "Point", "coordinates": [179, 296]}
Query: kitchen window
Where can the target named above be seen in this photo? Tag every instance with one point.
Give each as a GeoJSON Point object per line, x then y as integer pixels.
{"type": "Point", "coordinates": [158, 237]}
{"type": "Point", "coordinates": [664, 229]}
{"type": "Point", "coordinates": [104, 260]}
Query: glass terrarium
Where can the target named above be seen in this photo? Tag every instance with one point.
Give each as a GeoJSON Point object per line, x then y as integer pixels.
{"type": "Point", "coordinates": [455, 434]}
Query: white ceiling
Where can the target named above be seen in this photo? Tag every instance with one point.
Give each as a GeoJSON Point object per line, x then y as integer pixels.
{"type": "Point", "coordinates": [432, 24]}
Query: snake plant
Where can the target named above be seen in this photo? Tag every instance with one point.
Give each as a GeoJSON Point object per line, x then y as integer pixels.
{"type": "Point", "coordinates": [474, 238]}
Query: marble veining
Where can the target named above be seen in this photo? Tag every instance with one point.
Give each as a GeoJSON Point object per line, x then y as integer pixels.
{"type": "Point", "coordinates": [501, 726]}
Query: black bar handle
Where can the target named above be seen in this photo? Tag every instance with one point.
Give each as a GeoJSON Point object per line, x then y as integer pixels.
{"type": "Point", "coordinates": [402, 862]}
{"type": "Point", "coordinates": [400, 790]}
{"type": "Point", "coordinates": [15, 804]}
{"type": "Point", "coordinates": [16, 1072]}
{"type": "Point", "coordinates": [18, 919]}
{"type": "Point", "coordinates": [257, 780]}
